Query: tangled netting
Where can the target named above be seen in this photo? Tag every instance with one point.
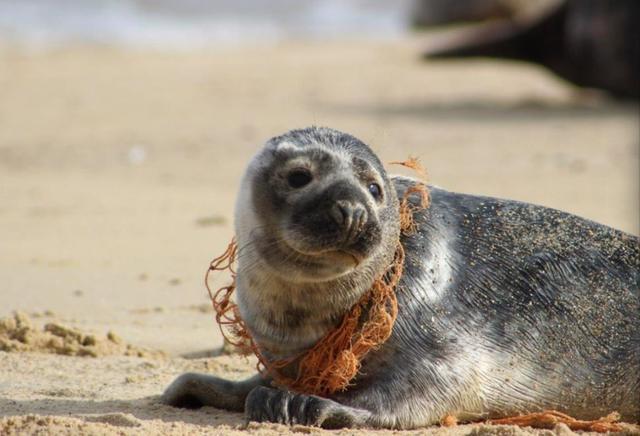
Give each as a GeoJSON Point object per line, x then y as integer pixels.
{"type": "Point", "coordinates": [331, 364]}
{"type": "Point", "coordinates": [549, 419]}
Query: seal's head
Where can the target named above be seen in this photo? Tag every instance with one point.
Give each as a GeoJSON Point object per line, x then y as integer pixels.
{"type": "Point", "coordinates": [316, 205]}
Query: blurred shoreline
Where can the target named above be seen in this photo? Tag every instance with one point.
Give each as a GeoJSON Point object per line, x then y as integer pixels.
{"type": "Point", "coordinates": [195, 24]}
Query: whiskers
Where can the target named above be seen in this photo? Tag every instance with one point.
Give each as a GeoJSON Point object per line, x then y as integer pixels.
{"type": "Point", "coordinates": [260, 245]}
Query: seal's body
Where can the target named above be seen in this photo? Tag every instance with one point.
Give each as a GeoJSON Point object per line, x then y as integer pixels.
{"type": "Point", "coordinates": [504, 307]}
{"type": "Point", "coordinates": [507, 307]}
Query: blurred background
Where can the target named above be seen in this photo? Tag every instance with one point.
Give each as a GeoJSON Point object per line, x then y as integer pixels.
{"type": "Point", "coordinates": [125, 126]}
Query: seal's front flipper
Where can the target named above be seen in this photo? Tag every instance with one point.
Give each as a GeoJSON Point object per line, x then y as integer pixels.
{"type": "Point", "coordinates": [192, 391]}
{"type": "Point", "coordinates": [275, 405]}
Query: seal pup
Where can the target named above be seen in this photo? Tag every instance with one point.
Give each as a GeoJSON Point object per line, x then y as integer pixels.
{"type": "Point", "coordinates": [504, 307]}
{"type": "Point", "coordinates": [591, 43]}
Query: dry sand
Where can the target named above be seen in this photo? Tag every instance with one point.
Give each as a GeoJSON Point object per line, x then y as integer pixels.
{"type": "Point", "coordinates": [118, 172]}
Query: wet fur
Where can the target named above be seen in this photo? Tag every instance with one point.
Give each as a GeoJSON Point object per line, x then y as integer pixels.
{"type": "Point", "coordinates": [504, 307]}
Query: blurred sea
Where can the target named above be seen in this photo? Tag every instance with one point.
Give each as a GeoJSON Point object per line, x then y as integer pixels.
{"type": "Point", "coordinates": [186, 24]}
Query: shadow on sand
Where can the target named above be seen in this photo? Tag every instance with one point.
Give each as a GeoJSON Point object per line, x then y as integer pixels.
{"type": "Point", "coordinates": [116, 412]}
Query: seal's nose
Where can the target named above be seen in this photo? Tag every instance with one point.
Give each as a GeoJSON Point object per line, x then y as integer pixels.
{"type": "Point", "coordinates": [350, 218]}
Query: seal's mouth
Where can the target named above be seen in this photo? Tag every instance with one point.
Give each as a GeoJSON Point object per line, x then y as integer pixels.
{"type": "Point", "coordinates": [329, 255]}
{"type": "Point", "coordinates": [358, 258]}
{"type": "Point", "coordinates": [298, 259]}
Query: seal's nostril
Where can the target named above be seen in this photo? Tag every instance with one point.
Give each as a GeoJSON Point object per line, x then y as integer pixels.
{"type": "Point", "coordinates": [340, 214]}
{"type": "Point", "coordinates": [359, 218]}
{"type": "Point", "coordinates": [350, 218]}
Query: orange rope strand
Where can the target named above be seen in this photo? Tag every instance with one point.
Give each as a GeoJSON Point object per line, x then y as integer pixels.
{"type": "Point", "coordinates": [227, 313]}
{"type": "Point", "coordinates": [413, 163]}
{"type": "Point", "coordinates": [407, 209]}
{"type": "Point", "coordinates": [549, 419]}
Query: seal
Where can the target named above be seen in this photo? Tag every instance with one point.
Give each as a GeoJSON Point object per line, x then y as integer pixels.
{"type": "Point", "coordinates": [503, 307]}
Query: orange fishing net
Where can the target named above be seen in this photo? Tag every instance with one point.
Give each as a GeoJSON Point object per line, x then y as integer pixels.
{"type": "Point", "coordinates": [407, 208]}
{"type": "Point", "coordinates": [549, 419]}
{"type": "Point", "coordinates": [227, 313]}
{"type": "Point", "coordinates": [333, 362]}
{"type": "Point", "coordinates": [449, 421]}
{"type": "Point", "coordinates": [413, 163]}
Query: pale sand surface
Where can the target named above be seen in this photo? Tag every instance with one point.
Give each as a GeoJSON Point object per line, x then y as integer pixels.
{"type": "Point", "coordinates": [118, 172]}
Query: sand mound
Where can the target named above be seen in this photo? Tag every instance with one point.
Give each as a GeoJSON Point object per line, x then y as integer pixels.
{"type": "Point", "coordinates": [17, 333]}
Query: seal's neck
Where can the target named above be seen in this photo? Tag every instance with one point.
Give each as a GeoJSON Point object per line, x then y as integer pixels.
{"type": "Point", "coordinates": [286, 318]}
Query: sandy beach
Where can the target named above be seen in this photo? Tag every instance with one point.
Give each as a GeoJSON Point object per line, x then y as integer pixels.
{"type": "Point", "coordinates": [119, 170]}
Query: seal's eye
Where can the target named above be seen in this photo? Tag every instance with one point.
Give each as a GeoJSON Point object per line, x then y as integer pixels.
{"type": "Point", "coordinates": [375, 190]}
{"type": "Point", "coordinates": [299, 178]}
